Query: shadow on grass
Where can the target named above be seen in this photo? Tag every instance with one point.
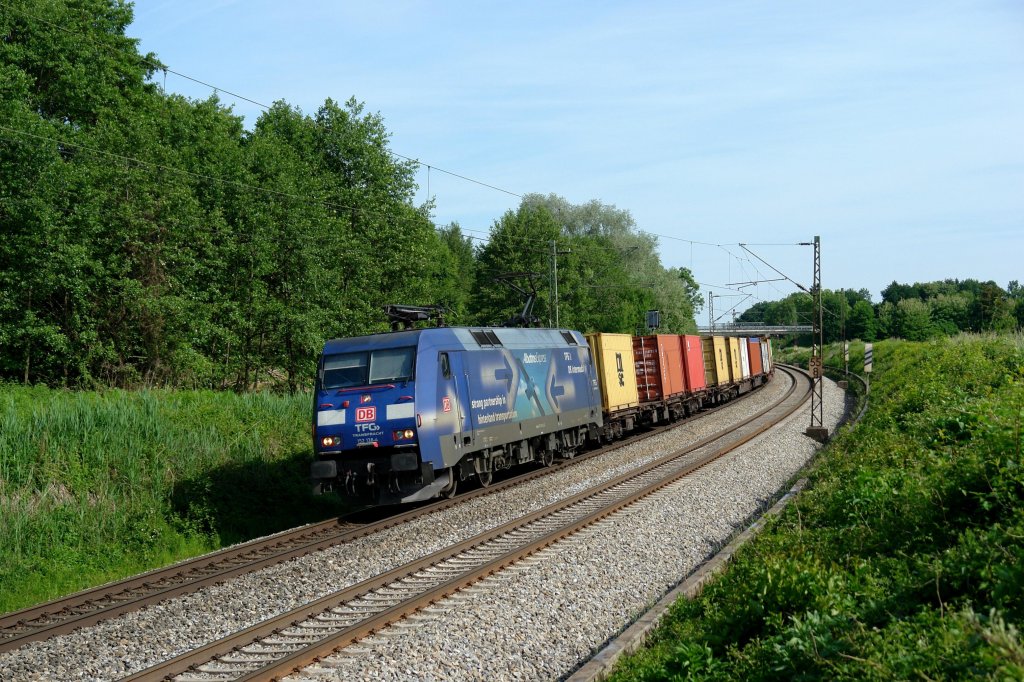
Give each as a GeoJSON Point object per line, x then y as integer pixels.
{"type": "Point", "coordinates": [244, 500]}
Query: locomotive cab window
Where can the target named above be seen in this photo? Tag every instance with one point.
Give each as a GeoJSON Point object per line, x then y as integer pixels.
{"type": "Point", "coordinates": [349, 370]}
{"type": "Point", "coordinates": [446, 368]}
{"type": "Point", "coordinates": [394, 364]}
{"type": "Point", "coordinates": [345, 370]}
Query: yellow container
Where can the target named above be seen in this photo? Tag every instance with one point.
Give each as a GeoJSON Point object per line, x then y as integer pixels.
{"type": "Point", "coordinates": [716, 364]}
{"type": "Point", "coordinates": [735, 371]}
{"type": "Point", "coordinates": [613, 359]}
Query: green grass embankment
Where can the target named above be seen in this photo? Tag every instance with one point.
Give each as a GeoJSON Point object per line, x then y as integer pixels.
{"type": "Point", "coordinates": [905, 558]}
{"type": "Point", "coordinates": [95, 486]}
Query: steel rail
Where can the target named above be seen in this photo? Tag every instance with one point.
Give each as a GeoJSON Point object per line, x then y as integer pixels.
{"type": "Point", "coordinates": [238, 648]}
{"type": "Point", "coordinates": [94, 605]}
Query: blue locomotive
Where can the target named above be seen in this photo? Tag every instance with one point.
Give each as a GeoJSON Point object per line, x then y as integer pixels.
{"type": "Point", "coordinates": [406, 415]}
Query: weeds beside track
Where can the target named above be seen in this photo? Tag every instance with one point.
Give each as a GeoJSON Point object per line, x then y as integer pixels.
{"type": "Point", "coordinates": [903, 560]}
{"type": "Point", "coordinates": [95, 486]}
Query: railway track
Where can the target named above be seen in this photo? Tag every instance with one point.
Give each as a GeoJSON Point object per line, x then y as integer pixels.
{"type": "Point", "coordinates": [89, 607]}
{"type": "Point", "coordinates": [303, 636]}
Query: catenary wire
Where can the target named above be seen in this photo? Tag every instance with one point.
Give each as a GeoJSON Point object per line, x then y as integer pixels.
{"type": "Point", "coordinates": [159, 66]}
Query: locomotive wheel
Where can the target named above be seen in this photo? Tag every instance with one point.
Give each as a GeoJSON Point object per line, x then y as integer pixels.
{"type": "Point", "coordinates": [485, 478]}
{"type": "Point", "coordinates": [547, 457]}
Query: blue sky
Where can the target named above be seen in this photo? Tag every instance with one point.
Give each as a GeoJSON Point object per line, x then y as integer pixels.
{"type": "Point", "coordinates": [895, 131]}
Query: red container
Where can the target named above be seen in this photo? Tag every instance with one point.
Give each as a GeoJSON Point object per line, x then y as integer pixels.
{"type": "Point", "coordinates": [693, 363]}
{"type": "Point", "coordinates": [659, 366]}
{"type": "Point", "coordinates": [754, 351]}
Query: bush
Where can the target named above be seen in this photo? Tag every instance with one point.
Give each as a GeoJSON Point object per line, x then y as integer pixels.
{"type": "Point", "coordinates": [98, 485]}
{"type": "Point", "coordinates": [905, 557]}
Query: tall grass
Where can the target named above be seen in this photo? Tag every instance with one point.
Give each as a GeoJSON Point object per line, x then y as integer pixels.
{"type": "Point", "coordinates": [905, 558]}
{"type": "Point", "coordinates": [98, 485]}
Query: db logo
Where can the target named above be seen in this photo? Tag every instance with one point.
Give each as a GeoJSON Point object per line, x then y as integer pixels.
{"type": "Point", "coordinates": [366, 414]}
{"type": "Point", "coordinates": [446, 404]}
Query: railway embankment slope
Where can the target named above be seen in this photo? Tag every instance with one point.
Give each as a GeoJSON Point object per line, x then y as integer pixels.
{"type": "Point", "coordinates": [904, 559]}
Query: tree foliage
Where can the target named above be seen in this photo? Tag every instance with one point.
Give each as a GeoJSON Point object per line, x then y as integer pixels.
{"type": "Point", "coordinates": [609, 272]}
{"type": "Point", "coordinates": [150, 239]}
{"type": "Point", "coordinates": [915, 312]}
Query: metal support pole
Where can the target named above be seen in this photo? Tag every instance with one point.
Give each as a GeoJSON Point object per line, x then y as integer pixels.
{"type": "Point", "coordinates": [842, 327]}
{"type": "Point", "coordinates": [817, 428]}
{"type": "Point", "coordinates": [552, 287]}
{"type": "Point", "coordinates": [555, 256]}
{"type": "Point", "coordinates": [711, 312]}
{"type": "Point", "coordinates": [553, 278]}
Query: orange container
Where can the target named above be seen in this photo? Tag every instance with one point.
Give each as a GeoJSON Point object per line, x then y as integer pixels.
{"type": "Point", "coordinates": [659, 366]}
{"type": "Point", "coordinates": [754, 351]}
{"type": "Point", "coordinates": [693, 363]}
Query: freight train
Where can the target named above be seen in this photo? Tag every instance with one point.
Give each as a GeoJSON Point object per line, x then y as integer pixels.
{"type": "Point", "coordinates": [407, 415]}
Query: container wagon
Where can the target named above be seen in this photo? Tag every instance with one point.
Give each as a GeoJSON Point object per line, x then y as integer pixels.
{"type": "Point", "coordinates": [661, 384]}
{"type": "Point", "coordinates": [615, 367]}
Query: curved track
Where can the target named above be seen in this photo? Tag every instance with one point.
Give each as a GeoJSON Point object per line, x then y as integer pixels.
{"type": "Point", "coordinates": [86, 608]}
{"type": "Point", "coordinates": [300, 637]}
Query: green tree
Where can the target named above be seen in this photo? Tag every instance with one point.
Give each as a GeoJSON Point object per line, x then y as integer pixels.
{"type": "Point", "coordinates": [992, 310]}
{"type": "Point", "coordinates": [951, 312]}
{"type": "Point", "coordinates": [391, 242]}
{"type": "Point", "coordinates": [454, 273]}
{"type": "Point", "coordinates": [613, 273]}
{"type": "Point", "coordinates": [518, 244]}
{"type": "Point", "coordinates": [691, 290]}
{"type": "Point", "coordinates": [159, 233]}
{"type": "Point", "coordinates": [149, 239]}
{"type": "Point", "coordinates": [1016, 293]}
{"type": "Point", "coordinates": [70, 76]}
{"type": "Point", "coordinates": [793, 310]}
{"type": "Point", "coordinates": [282, 237]}
{"type": "Point", "coordinates": [597, 291]}
{"type": "Point", "coordinates": [913, 320]}
{"type": "Point", "coordinates": [835, 314]}
{"type": "Point", "coordinates": [756, 313]}
{"type": "Point", "coordinates": [959, 305]}
{"type": "Point", "coordinates": [895, 292]}
{"type": "Point", "coordinates": [71, 62]}
{"type": "Point", "coordinates": [862, 324]}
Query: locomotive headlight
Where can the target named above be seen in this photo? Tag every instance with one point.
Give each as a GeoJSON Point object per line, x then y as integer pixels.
{"type": "Point", "coordinates": [403, 434]}
{"type": "Point", "coordinates": [330, 441]}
